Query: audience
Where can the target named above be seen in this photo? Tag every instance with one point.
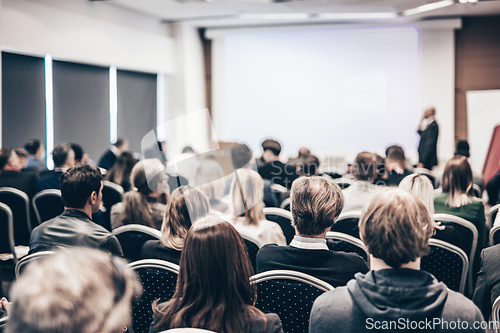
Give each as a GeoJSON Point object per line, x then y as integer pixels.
{"type": "Point", "coordinates": [456, 199]}
{"type": "Point", "coordinates": [213, 289]}
{"type": "Point", "coordinates": [364, 171]}
{"type": "Point", "coordinates": [80, 156]}
{"type": "Point", "coordinates": [11, 175]}
{"type": "Point", "coordinates": [395, 227]}
{"type": "Point", "coordinates": [463, 149]}
{"type": "Point", "coordinates": [308, 165]}
{"type": "Point", "coordinates": [81, 190]}
{"type": "Point", "coordinates": [120, 172]}
{"type": "Point", "coordinates": [270, 167]}
{"type": "Point", "coordinates": [146, 202]}
{"type": "Point", "coordinates": [108, 159]}
{"type": "Point", "coordinates": [64, 158]}
{"type": "Point", "coordinates": [488, 280]}
{"type": "Point", "coordinates": [36, 158]}
{"type": "Point", "coordinates": [316, 202]}
{"type": "Point", "coordinates": [22, 154]}
{"type": "Point", "coordinates": [74, 290]}
{"type": "Point", "coordinates": [247, 191]}
{"type": "Point", "coordinates": [396, 166]}
{"type": "Point", "coordinates": [303, 153]}
{"type": "Point", "coordinates": [185, 205]}
{"type": "Point", "coordinates": [209, 180]}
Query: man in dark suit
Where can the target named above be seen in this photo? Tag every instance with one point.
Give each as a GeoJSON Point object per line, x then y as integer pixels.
{"type": "Point", "coordinates": [427, 148]}
{"type": "Point", "coordinates": [64, 158]}
{"type": "Point", "coordinates": [271, 168]}
{"type": "Point", "coordinates": [488, 280]}
{"type": "Point", "coordinates": [11, 175]}
{"type": "Point", "coordinates": [81, 191]}
{"type": "Point", "coordinates": [108, 159]}
{"type": "Point", "coordinates": [316, 204]}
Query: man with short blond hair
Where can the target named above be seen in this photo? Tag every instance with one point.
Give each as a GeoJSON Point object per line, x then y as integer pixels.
{"type": "Point", "coordinates": [316, 202]}
{"type": "Point", "coordinates": [395, 296]}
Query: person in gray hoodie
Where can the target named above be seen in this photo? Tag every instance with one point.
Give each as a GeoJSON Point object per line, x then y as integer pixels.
{"type": "Point", "coordinates": [395, 295]}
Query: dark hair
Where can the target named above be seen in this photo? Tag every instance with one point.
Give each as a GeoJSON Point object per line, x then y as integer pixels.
{"type": "Point", "coordinates": [32, 146]}
{"type": "Point", "coordinates": [272, 145]}
{"type": "Point", "coordinates": [60, 154]}
{"type": "Point", "coordinates": [120, 172]}
{"type": "Point", "coordinates": [389, 149]}
{"type": "Point", "coordinates": [365, 166]}
{"type": "Point", "coordinates": [241, 155]}
{"type": "Point", "coordinates": [119, 142]}
{"type": "Point", "coordinates": [457, 180]}
{"type": "Point", "coordinates": [78, 151]}
{"type": "Point", "coordinates": [21, 153]}
{"type": "Point", "coordinates": [462, 148]}
{"type": "Point", "coordinates": [396, 227]}
{"type": "Point", "coordinates": [316, 204]}
{"type": "Point", "coordinates": [213, 288]}
{"type": "Point", "coordinates": [5, 154]}
{"type": "Point", "coordinates": [397, 155]}
{"type": "Point", "coordinates": [78, 183]}
{"type": "Point", "coordinates": [309, 165]}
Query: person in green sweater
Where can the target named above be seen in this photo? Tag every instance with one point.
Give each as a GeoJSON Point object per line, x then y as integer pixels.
{"type": "Point", "coordinates": [456, 199]}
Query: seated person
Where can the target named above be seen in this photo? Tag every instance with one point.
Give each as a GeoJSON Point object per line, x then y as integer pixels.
{"type": "Point", "coordinates": [60, 294]}
{"type": "Point", "coordinates": [81, 191]}
{"type": "Point", "coordinates": [463, 149]}
{"type": "Point", "coordinates": [488, 280]}
{"type": "Point", "coordinates": [457, 200]}
{"type": "Point", "coordinates": [213, 289]}
{"type": "Point", "coordinates": [396, 166]}
{"type": "Point", "coordinates": [364, 171]}
{"type": "Point", "coordinates": [121, 170]}
{"type": "Point", "coordinates": [395, 227]}
{"type": "Point", "coordinates": [493, 190]}
{"type": "Point", "coordinates": [316, 204]}
{"type": "Point", "coordinates": [110, 156]}
{"type": "Point", "coordinates": [145, 203]}
{"type": "Point", "coordinates": [272, 168]}
{"type": "Point", "coordinates": [309, 165]}
{"type": "Point", "coordinates": [185, 205]}
{"type": "Point", "coordinates": [11, 175]}
{"type": "Point", "coordinates": [64, 158]}
{"type": "Point", "coordinates": [36, 158]}
{"type": "Point", "coordinates": [209, 180]}
{"type": "Point", "coordinates": [247, 190]}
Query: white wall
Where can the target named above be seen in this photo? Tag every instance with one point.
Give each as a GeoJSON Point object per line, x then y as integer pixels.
{"type": "Point", "coordinates": [93, 36]}
{"type": "Point", "coordinates": [437, 81]}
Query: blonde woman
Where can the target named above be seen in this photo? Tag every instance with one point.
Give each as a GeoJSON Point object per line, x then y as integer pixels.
{"type": "Point", "coordinates": [247, 191]}
{"type": "Point", "coordinates": [186, 204]}
{"type": "Point", "coordinates": [421, 186]}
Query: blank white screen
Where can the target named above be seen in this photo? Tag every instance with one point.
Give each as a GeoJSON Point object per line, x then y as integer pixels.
{"type": "Point", "coordinates": [343, 89]}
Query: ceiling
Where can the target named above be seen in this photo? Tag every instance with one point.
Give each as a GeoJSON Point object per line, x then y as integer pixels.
{"type": "Point", "coordinates": [214, 13]}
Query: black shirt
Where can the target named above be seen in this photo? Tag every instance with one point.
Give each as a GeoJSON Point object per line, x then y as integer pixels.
{"type": "Point", "coordinates": [154, 249]}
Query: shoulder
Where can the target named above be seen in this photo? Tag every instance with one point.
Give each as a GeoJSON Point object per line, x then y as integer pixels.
{"type": "Point", "coordinates": [263, 323]}
{"type": "Point", "coordinates": [459, 306]}
{"type": "Point", "coordinates": [270, 249]}
{"type": "Point", "coordinates": [332, 306]}
{"type": "Point", "coordinates": [491, 255]}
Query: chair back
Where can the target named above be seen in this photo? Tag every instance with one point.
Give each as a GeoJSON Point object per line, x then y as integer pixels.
{"type": "Point", "coordinates": [3, 324]}
{"type": "Point", "coordinates": [468, 234]}
{"type": "Point", "coordinates": [158, 279]}
{"type": "Point", "coordinates": [492, 215]}
{"type": "Point", "coordinates": [495, 314]}
{"type": "Point", "coordinates": [289, 294]}
{"type": "Point", "coordinates": [18, 203]}
{"type": "Point", "coordinates": [253, 246]}
{"type": "Point", "coordinates": [47, 204]}
{"type": "Point", "coordinates": [23, 263]}
{"type": "Point", "coordinates": [188, 330]}
{"type": "Point", "coordinates": [343, 182]}
{"type": "Point", "coordinates": [448, 263]}
{"type": "Point", "coordinates": [339, 241]}
{"type": "Point", "coordinates": [7, 231]}
{"type": "Point", "coordinates": [495, 235]}
{"type": "Point", "coordinates": [347, 223]}
{"type": "Point", "coordinates": [478, 193]}
{"type": "Point", "coordinates": [283, 218]}
{"type": "Point", "coordinates": [285, 204]}
{"type": "Point", "coordinates": [111, 194]}
{"type": "Point", "coordinates": [132, 237]}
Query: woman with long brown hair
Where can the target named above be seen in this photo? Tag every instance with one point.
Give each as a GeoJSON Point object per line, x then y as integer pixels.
{"type": "Point", "coordinates": [247, 192]}
{"type": "Point", "coordinates": [213, 289]}
{"type": "Point", "coordinates": [120, 172]}
{"type": "Point", "coordinates": [185, 205]}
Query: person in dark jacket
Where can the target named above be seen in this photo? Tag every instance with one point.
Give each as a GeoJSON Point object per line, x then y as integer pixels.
{"type": "Point", "coordinates": [108, 159]}
{"type": "Point", "coordinates": [81, 191]}
{"type": "Point", "coordinates": [64, 158]}
{"type": "Point", "coordinates": [488, 280]}
{"type": "Point", "coordinates": [427, 148]}
{"type": "Point", "coordinates": [395, 296]}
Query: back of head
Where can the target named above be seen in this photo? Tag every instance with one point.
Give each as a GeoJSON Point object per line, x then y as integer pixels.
{"type": "Point", "coordinates": [462, 148]}
{"type": "Point", "coordinates": [5, 155]}
{"type": "Point", "coordinates": [213, 289]}
{"type": "Point", "coordinates": [59, 294]}
{"type": "Point", "coordinates": [422, 187]}
{"type": "Point", "coordinates": [309, 165]}
{"type": "Point", "coordinates": [147, 174]}
{"type": "Point", "coordinates": [120, 142]}
{"type": "Point", "coordinates": [272, 145]}
{"type": "Point", "coordinates": [304, 152]}
{"type": "Point", "coordinates": [60, 155]}
{"type": "Point", "coordinates": [78, 183]}
{"type": "Point", "coordinates": [186, 204]}
{"type": "Point", "coordinates": [32, 146]}
{"type": "Point", "coordinates": [365, 166]}
{"type": "Point", "coordinates": [396, 227]}
{"type": "Point", "coordinates": [316, 202]}
{"type": "Point", "coordinates": [122, 168]}
{"type": "Point", "coordinates": [247, 194]}
{"type": "Point", "coordinates": [457, 180]}
{"type": "Point", "coordinates": [78, 152]}
{"type": "Point", "coordinates": [241, 156]}
{"type": "Point", "coordinates": [208, 178]}
{"type": "Point", "coordinates": [397, 156]}
{"type": "Point", "coordinates": [389, 149]}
